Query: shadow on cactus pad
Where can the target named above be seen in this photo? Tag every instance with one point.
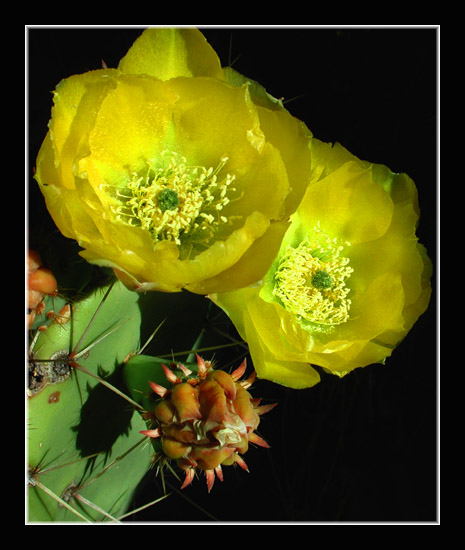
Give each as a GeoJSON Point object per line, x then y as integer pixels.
{"type": "Point", "coordinates": [105, 416]}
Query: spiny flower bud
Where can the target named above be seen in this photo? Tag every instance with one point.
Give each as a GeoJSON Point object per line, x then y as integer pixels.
{"type": "Point", "coordinates": [206, 421]}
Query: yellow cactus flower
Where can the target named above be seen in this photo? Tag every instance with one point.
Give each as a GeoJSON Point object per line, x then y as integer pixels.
{"type": "Point", "coordinates": [158, 168]}
{"type": "Point", "coordinates": [350, 279]}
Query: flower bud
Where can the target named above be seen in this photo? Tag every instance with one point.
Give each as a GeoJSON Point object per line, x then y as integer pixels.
{"type": "Point", "coordinates": [206, 420]}
{"type": "Point", "coordinates": [40, 283]}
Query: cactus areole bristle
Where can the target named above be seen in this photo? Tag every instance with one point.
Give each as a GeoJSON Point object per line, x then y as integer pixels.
{"type": "Point", "coordinates": [206, 421]}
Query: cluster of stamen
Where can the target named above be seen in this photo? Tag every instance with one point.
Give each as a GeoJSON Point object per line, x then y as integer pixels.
{"type": "Point", "coordinates": [310, 280]}
{"type": "Point", "coordinates": [174, 200]}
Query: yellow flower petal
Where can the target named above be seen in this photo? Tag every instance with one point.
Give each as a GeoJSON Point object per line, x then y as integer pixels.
{"type": "Point", "coordinates": [293, 374]}
{"type": "Point", "coordinates": [167, 53]}
{"type": "Point", "coordinates": [348, 204]}
{"type": "Point", "coordinates": [76, 102]}
{"type": "Point", "coordinates": [70, 95]}
{"type": "Point", "coordinates": [213, 119]}
{"type": "Point", "coordinates": [62, 201]}
{"type": "Point", "coordinates": [292, 139]}
{"type": "Point", "coordinates": [122, 136]}
{"type": "Point", "coordinates": [249, 268]}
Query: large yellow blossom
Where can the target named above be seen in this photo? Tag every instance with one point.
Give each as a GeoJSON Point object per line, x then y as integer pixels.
{"type": "Point", "coordinates": [170, 170]}
{"type": "Point", "coordinates": [349, 281]}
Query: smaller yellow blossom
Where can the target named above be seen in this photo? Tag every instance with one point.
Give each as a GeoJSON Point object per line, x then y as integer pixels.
{"type": "Point", "coordinates": [350, 279]}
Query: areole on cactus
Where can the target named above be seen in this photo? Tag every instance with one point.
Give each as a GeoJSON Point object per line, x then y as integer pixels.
{"type": "Point", "coordinates": [206, 420]}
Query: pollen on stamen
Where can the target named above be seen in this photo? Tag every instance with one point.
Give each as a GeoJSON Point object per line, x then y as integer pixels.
{"type": "Point", "coordinates": [174, 201]}
{"type": "Point", "coordinates": [311, 278]}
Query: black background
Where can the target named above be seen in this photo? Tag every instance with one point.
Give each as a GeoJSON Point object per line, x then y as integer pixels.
{"type": "Point", "coordinates": [359, 449]}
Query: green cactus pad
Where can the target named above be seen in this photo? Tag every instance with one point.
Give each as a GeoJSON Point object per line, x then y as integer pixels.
{"type": "Point", "coordinates": [85, 451]}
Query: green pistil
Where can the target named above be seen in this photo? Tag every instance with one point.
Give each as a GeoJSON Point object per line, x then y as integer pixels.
{"type": "Point", "coordinates": [321, 280]}
{"type": "Point", "coordinates": [167, 199]}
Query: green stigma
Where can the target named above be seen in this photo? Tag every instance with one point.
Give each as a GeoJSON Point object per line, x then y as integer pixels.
{"type": "Point", "coordinates": [167, 199]}
{"type": "Point", "coordinates": [321, 280]}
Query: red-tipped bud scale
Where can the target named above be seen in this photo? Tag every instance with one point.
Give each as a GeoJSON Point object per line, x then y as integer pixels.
{"type": "Point", "coordinates": [206, 421]}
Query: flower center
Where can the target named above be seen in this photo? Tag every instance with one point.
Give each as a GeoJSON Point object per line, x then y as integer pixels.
{"type": "Point", "coordinates": [310, 280]}
{"type": "Point", "coordinates": [174, 201]}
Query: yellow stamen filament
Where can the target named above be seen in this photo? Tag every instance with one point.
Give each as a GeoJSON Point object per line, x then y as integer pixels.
{"type": "Point", "coordinates": [174, 200]}
{"type": "Point", "coordinates": [311, 280]}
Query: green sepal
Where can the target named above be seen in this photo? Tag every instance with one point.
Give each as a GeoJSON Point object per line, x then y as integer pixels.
{"type": "Point", "coordinates": [137, 372]}
{"type": "Point", "coordinates": [258, 93]}
{"type": "Point", "coordinates": [140, 369]}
